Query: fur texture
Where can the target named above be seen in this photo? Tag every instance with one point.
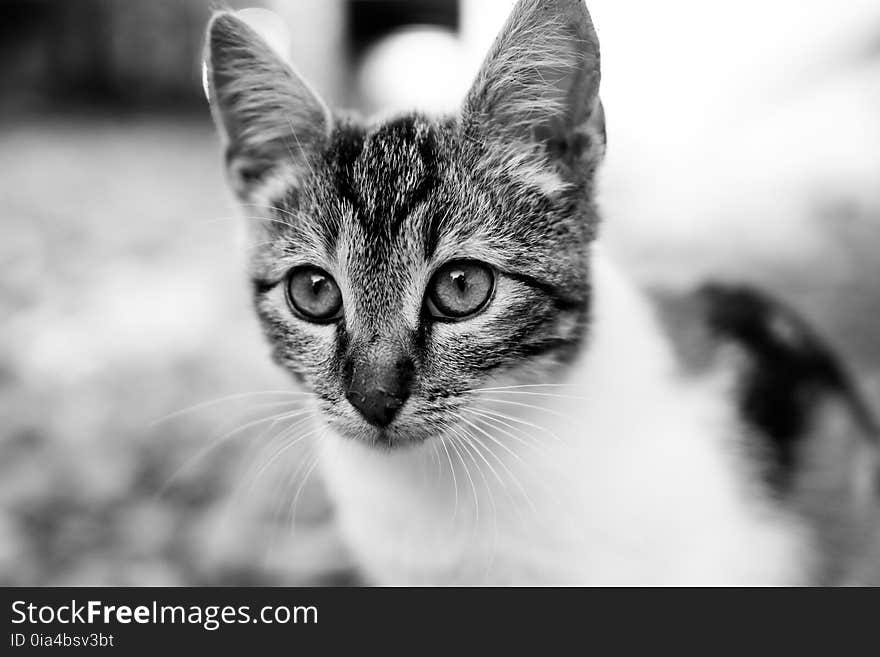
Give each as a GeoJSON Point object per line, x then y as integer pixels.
{"type": "Point", "coordinates": [551, 438]}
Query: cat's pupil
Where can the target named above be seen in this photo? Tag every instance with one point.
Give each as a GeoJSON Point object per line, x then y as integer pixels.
{"type": "Point", "coordinates": [319, 283]}
{"type": "Point", "coordinates": [459, 279]}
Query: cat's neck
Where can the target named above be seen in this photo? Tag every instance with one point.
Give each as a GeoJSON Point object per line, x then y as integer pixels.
{"type": "Point", "coordinates": [626, 343]}
{"type": "Point", "coordinates": [624, 456]}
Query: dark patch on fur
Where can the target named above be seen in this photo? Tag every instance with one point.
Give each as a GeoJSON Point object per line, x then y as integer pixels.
{"type": "Point", "coordinates": [261, 286]}
{"type": "Point", "coordinates": [400, 158]}
{"type": "Point", "coordinates": [346, 145]}
{"type": "Point", "coordinates": [789, 372]}
{"type": "Point", "coordinates": [385, 173]}
{"type": "Point", "coordinates": [432, 234]}
{"type": "Point", "coordinates": [561, 300]}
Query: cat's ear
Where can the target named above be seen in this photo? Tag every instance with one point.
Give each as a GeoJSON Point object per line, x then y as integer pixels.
{"type": "Point", "coordinates": [537, 92]}
{"type": "Point", "coordinates": [271, 120]}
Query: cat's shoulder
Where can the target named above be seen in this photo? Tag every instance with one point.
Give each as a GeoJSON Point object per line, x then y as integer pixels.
{"type": "Point", "coordinates": [812, 435]}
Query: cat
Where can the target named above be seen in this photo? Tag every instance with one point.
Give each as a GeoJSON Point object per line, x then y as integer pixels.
{"type": "Point", "coordinates": [499, 404]}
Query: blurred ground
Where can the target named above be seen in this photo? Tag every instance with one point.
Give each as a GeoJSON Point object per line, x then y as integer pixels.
{"type": "Point", "coordinates": [123, 300]}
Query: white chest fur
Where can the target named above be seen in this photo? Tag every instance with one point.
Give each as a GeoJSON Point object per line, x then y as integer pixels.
{"type": "Point", "coordinates": [630, 476]}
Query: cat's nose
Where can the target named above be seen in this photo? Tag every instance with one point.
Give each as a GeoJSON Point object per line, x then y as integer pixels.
{"type": "Point", "coordinates": [379, 387]}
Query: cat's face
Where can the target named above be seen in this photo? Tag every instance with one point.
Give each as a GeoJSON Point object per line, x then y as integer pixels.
{"type": "Point", "coordinates": [401, 265]}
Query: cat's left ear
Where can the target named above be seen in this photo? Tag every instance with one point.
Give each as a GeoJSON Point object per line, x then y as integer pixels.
{"type": "Point", "coordinates": [271, 120]}
{"type": "Point", "coordinates": [537, 93]}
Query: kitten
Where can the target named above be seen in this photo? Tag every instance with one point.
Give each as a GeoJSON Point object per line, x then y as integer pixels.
{"type": "Point", "coordinates": [499, 404]}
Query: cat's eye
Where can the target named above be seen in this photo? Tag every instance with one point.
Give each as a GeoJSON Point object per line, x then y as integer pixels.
{"type": "Point", "coordinates": [459, 289]}
{"type": "Point", "coordinates": [313, 294]}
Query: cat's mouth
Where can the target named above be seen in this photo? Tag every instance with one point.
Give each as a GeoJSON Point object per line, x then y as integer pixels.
{"type": "Point", "coordinates": [384, 439]}
{"type": "Point", "coordinates": [402, 433]}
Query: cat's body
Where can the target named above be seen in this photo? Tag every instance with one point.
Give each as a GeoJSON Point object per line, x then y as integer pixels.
{"type": "Point", "coordinates": [498, 404]}
{"type": "Point", "coordinates": [679, 471]}
{"type": "Point", "coordinates": [638, 475]}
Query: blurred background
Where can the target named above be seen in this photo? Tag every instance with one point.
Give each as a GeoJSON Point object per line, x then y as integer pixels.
{"type": "Point", "coordinates": [744, 143]}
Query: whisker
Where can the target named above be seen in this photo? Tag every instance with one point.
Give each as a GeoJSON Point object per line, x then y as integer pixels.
{"type": "Point", "coordinates": [301, 150]}
{"type": "Point", "coordinates": [512, 418]}
{"type": "Point", "coordinates": [289, 516]}
{"type": "Point", "coordinates": [480, 442]}
{"type": "Point", "coordinates": [526, 392]}
{"type": "Point", "coordinates": [551, 411]}
{"type": "Point", "coordinates": [302, 485]}
{"type": "Point", "coordinates": [289, 521]}
{"type": "Point", "coordinates": [495, 422]}
{"type": "Point", "coordinates": [474, 424]}
{"type": "Point", "coordinates": [214, 444]}
{"type": "Point", "coordinates": [287, 446]}
{"type": "Point", "coordinates": [248, 481]}
{"type": "Point", "coordinates": [531, 385]}
{"type": "Point", "coordinates": [489, 494]}
{"type": "Point", "coordinates": [275, 208]}
{"type": "Point", "coordinates": [296, 412]}
{"type": "Point", "coordinates": [510, 473]}
{"type": "Point", "coordinates": [454, 479]}
{"type": "Point", "coordinates": [272, 426]}
{"type": "Point", "coordinates": [291, 481]}
{"type": "Point", "coordinates": [467, 471]}
{"type": "Point", "coordinates": [435, 453]}
{"type": "Point", "coordinates": [227, 398]}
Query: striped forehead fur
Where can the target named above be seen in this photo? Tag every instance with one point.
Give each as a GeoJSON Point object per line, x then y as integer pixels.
{"type": "Point", "coordinates": [393, 172]}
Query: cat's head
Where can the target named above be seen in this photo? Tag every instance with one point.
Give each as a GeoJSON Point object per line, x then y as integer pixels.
{"type": "Point", "coordinates": [398, 266]}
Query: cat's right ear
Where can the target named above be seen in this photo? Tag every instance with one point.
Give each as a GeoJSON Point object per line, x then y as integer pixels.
{"type": "Point", "coordinates": [535, 102]}
{"type": "Point", "coordinates": [271, 121]}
